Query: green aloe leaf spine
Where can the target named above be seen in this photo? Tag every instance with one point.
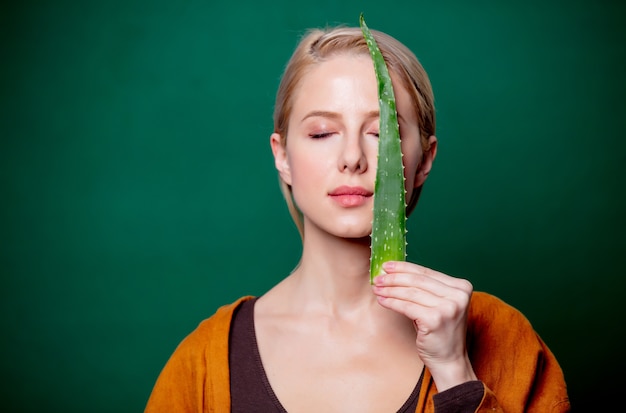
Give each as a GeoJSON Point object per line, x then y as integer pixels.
{"type": "Point", "coordinates": [388, 239]}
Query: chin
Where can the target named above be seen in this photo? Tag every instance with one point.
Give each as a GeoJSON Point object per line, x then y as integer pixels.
{"type": "Point", "coordinates": [355, 235]}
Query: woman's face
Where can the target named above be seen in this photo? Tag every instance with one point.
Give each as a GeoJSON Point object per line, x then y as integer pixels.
{"type": "Point", "coordinates": [332, 144]}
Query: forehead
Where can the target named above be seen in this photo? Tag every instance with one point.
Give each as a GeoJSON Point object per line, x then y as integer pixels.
{"type": "Point", "coordinates": [330, 72]}
{"type": "Point", "coordinates": [343, 76]}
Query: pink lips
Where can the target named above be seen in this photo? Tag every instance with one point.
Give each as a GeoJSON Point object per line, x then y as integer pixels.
{"type": "Point", "coordinates": [350, 196]}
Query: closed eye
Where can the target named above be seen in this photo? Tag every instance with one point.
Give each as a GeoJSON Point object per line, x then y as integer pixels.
{"type": "Point", "coordinates": [320, 135]}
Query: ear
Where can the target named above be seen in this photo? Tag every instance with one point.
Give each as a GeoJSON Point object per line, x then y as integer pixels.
{"type": "Point", "coordinates": [427, 162]}
{"type": "Point", "coordinates": [280, 158]}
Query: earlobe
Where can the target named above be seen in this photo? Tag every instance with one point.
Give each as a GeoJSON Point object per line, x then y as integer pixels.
{"type": "Point", "coordinates": [280, 158]}
{"type": "Point", "coordinates": [427, 162]}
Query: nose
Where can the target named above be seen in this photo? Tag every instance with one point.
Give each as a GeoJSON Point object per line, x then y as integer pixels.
{"type": "Point", "coordinates": [352, 157]}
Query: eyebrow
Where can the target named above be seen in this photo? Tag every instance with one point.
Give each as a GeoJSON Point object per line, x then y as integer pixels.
{"type": "Point", "coordinates": [321, 114]}
{"type": "Point", "coordinates": [335, 115]}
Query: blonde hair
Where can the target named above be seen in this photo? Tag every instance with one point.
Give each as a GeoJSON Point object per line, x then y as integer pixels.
{"type": "Point", "coordinates": [318, 45]}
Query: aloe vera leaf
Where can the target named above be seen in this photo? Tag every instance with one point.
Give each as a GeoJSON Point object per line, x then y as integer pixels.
{"type": "Point", "coordinates": [388, 239]}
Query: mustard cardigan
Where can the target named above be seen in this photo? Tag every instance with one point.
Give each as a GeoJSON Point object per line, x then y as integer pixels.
{"type": "Point", "coordinates": [519, 372]}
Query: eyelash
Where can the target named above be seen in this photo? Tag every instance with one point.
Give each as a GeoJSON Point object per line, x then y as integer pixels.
{"type": "Point", "coordinates": [320, 135]}
{"type": "Point", "coordinates": [327, 134]}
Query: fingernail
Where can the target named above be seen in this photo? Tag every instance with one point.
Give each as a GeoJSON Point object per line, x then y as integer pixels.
{"type": "Point", "coordinates": [389, 265]}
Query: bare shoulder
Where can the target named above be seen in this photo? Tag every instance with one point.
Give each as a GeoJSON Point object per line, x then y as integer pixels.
{"type": "Point", "coordinates": [274, 307]}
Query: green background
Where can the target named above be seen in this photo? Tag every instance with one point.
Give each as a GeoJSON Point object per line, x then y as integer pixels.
{"type": "Point", "coordinates": [138, 190]}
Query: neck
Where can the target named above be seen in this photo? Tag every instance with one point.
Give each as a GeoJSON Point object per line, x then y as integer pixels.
{"type": "Point", "coordinates": [332, 283]}
{"type": "Point", "coordinates": [333, 274]}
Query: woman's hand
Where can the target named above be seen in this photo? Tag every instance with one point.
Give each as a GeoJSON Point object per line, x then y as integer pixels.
{"type": "Point", "coordinates": [438, 305]}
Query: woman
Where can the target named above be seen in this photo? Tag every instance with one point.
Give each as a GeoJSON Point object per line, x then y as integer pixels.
{"type": "Point", "coordinates": [324, 339]}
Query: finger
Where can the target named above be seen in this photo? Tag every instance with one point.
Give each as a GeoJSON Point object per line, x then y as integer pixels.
{"type": "Point", "coordinates": [412, 280]}
{"type": "Point", "coordinates": [427, 319]}
{"type": "Point", "coordinates": [395, 267]}
{"type": "Point", "coordinates": [411, 310]}
{"type": "Point", "coordinates": [418, 296]}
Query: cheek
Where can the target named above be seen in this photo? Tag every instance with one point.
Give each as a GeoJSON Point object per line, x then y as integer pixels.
{"type": "Point", "coordinates": [306, 171]}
